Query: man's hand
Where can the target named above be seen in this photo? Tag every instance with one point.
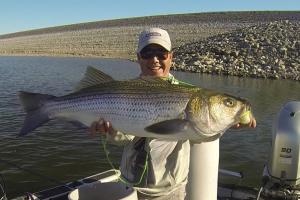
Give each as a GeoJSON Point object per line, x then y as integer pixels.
{"type": "Point", "coordinates": [251, 124]}
{"type": "Point", "coordinates": [101, 127]}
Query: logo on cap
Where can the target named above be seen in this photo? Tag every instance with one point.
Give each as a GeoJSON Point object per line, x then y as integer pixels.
{"type": "Point", "coordinates": [152, 34]}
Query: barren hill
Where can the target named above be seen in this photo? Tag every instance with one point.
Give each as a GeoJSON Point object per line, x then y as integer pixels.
{"type": "Point", "coordinates": [118, 38]}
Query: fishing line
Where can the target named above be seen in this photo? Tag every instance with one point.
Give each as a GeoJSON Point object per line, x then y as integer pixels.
{"type": "Point", "coordinates": [145, 168]}
{"type": "Point", "coordinates": [104, 142]}
{"type": "Point", "coordinates": [2, 187]}
{"type": "Point", "coordinates": [41, 176]}
{"type": "Point", "coordinates": [259, 193]}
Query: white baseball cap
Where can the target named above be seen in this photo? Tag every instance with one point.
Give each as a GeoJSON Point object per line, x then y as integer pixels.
{"type": "Point", "coordinates": [154, 36]}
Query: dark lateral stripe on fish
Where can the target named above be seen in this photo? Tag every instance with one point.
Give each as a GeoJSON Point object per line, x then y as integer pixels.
{"type": "Point", "coordinates": [101, 101]}
{"type": "Point", "coordinates": [119, 96]}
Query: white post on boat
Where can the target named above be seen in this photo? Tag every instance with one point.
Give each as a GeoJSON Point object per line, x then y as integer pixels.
{"type": "Point", "coordinates": [203, 174]}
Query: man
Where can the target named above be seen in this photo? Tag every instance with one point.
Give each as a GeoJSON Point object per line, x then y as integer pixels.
{"type": "Point", "coordinates": [157, 168]}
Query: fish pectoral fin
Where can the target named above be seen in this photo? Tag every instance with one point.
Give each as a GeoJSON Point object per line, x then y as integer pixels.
{"type": "Point", "coordinates": [169, 126]}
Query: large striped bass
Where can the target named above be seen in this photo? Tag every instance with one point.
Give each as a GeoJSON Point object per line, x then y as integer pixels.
{"type": "Point", "coordinates": [144, 107]}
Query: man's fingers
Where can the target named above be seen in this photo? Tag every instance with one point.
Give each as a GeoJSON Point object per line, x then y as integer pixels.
{"type": "Point", "coordinates": [97, 127]}
{"type": "Point", "coordinates": [107, 126]}
{"type": "Point", "coordinates": [102, 127]}
{"type": "Point", "coordinates": [253, 123]}
{"type": "Point", "coordinates": [236, 126]}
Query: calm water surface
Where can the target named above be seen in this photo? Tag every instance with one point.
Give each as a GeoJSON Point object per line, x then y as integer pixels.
{"type": "Point", "coordinates": [64, 153]}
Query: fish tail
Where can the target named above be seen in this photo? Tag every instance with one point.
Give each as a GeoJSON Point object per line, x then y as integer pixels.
{"type": "Point", "coordinates": [32, 104]}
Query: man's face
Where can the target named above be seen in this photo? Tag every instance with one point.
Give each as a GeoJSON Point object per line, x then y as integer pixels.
{"type": "Point", "coordinates": [155, 61]}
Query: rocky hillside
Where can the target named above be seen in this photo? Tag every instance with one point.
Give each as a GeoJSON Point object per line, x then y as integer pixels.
{"type": "Point", "coordinates": [118, 38]}
{"type": "Point", "coordinates": [269, 50]}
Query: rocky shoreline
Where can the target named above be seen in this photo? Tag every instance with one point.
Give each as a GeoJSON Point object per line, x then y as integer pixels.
{"type": "Point", "coordinates": [262, 51]}
{"type": "Point", "coordinates": [255, 44]}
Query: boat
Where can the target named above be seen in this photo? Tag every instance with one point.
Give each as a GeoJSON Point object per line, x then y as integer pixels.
{"type": "Point", "coordinates": [280, 179]}
{"type": "Point", "coordinates": [95, 182]}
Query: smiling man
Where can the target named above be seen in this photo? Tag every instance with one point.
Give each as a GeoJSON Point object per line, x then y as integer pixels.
{"type": "Point", "coordinates": [154, 52]}
{"type": "Point", "coordinates": [156, 168]}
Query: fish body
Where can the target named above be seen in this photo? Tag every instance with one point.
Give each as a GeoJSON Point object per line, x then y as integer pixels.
{"type": "Point", "coordinates": [145, 107]}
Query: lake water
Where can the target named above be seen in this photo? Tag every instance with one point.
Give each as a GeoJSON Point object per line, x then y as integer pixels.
{"type": "Point", "coordinates": [64, 153]}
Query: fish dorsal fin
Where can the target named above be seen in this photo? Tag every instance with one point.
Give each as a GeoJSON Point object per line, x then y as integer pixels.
{"type": "Point", "coordinates": [93, 77]}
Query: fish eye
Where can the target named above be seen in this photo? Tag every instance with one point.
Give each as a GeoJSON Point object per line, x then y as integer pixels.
{"type": "Point", "coordinates": [229, 102]}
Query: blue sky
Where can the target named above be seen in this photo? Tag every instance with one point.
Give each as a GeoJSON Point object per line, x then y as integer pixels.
{"type": "Point", "coordinates": [20, 15]}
